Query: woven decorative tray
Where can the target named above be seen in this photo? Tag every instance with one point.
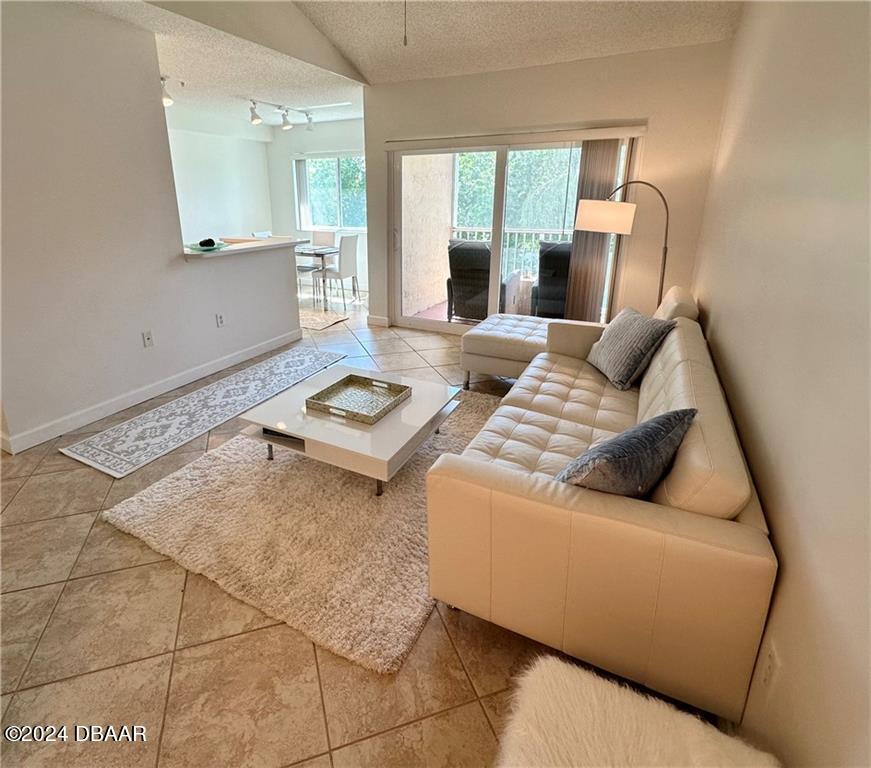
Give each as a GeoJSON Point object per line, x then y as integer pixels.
{"type": "Point", "coordinates": [359, 398]}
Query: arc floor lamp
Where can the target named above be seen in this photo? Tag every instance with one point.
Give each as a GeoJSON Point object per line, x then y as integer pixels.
{"type": "Point", "coordinates": [611, 217]}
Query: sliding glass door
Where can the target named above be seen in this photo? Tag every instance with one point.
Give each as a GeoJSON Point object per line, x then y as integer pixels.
{"type": "Point", "coordinates": [446, 221]}
{"type": "Point", "coordinates": [484, 230]}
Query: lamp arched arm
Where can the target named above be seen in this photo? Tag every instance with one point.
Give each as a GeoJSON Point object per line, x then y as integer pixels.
{"type": "Point", "coordinates": [665, 239]}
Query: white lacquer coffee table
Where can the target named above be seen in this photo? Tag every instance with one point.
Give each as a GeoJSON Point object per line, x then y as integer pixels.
{"type": "Point", "coordinates": [378, 451]}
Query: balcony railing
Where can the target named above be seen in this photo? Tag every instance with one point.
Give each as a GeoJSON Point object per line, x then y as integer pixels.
{"type": "Point", "coordinates": [519, 246]}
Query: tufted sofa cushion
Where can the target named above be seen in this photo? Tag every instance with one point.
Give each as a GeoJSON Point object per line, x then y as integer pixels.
{"type": "Point", "coordinates": [557, 409]}
{"type": "Point", "coordinates": [510, 337]}
{"type": "Point", "coordinates": [708, 475]}
{"type": "Point", "coordinates": [532, 443]}
{"type": "Point", "coordinates": [567, 388]}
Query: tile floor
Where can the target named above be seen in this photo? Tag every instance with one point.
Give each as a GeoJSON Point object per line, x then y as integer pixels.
{"type": "Point", "coordinates": [98, 628]}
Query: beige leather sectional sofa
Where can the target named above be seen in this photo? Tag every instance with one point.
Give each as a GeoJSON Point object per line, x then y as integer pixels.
{"type": "Point", "coordinates": [671, 592]}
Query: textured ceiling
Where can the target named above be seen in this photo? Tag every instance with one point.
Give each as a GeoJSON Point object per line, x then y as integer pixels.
{"type": "Point", "coordinates": [460, 37]}
{"type": "Point", "coordinates": [220, 70]}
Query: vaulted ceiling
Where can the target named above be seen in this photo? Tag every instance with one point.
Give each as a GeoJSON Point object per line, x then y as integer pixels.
{"type": "Point", "coordinates": [459, 36]}
{"type": "Point", "coordinates": [317, 52]}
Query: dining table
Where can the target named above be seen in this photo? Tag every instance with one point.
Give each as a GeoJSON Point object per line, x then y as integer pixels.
{"type": "Point", "coordinates": [320, 252]}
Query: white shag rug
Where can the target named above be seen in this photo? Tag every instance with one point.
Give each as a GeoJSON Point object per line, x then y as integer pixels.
{"type": "Point", "coordinates": [317, 319]}
{"type": "Point", "coordinates": [307, 543]}
{"type": "Point", "coordinates": [563, 715]}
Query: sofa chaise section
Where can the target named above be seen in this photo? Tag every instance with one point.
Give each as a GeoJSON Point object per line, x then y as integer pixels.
{"type": "Point", "coordinates": [671, 592]}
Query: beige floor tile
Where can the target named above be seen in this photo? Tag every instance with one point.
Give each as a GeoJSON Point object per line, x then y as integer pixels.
{"type": "Point", "coordinates": [413, 332]}
{"type": "Point", "coordinates": [399, 361]}
{"type": "Point", "coordinates": [23, 616]}
{"type": "Point", "coordinates": [109, 619]}
{"type": "Point", "coordinates": [251, 700]}
{"type": "Point", "coordinates": [445, 356]}
{"type": "Point", "coordinates": [385, 346]}
{"type": "Point", "coordinates": [371, 333]}
{"type": "Point", "coordinates": [43, 552]}
{"type": "Point", "coordinates": [321, 761]}
{"type": "Point", "coordinates": [22, 463]}
{"type": "Point", "coordinates": [209, 613]}
{"type": "Point", "coordinates": [331, 338]}
{"type": "Point", "coordinates": [492, 655]}
{"type": "Point", "coordinates": [454, 374]}
{"type": "Point", "coordinates": [132, 694]}
{"type": "Point", "coordinates": [349, 348]}
{"type": "Point", "coordinates": [8, 488]}
{"type": "Point", "coordinates": [497, 708]}
{"type": "Point", "coordinates": [458, 738]}
{"type": "Point", "coordinates": [197, 444]}
{"type": "Point", "coordinates": [149, 474]}
{"type": "Point", "coordinates": [116, 418]}
{"type": "Point", "coordinates": [58, 494]}
{"type": "Point", "coordinates": [434, 341]}
{"type": "Point", "coordinates": [107, 549]}
{"type": "Point", "coordinates": [55, 461]}
{"type": "Point", "coordinates": [359, 702]}
{"type": "Point", "coordinates": [232, 427]}
{"type": "Point", "coordinates": [425, 374]}
{"type": "Point", "coordinates": [217, 439]}
{"type": "Point", "coordinates": [366, 363]}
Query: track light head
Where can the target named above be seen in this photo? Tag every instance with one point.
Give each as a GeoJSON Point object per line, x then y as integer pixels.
{"type": "Point", "coordinates": [309, 121]}
{"type": "Point", "coordinates": [168, 101]}
{"type": "Point", "coordinates": [255, 119]}
{"type": "Point", "coordinates": [286, 125]}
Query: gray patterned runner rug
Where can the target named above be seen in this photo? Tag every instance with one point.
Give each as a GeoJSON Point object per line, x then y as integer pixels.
{"type": "Point", "coordinates": [126, 447]}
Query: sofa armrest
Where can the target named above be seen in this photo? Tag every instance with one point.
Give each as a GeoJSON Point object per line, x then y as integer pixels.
{"type": "Point", "coordinates": [572, 337]}
{"type": "Point", "coordinates": [669, 598]}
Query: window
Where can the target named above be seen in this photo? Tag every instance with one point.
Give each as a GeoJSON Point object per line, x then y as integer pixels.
{"type": "Point", "coordinates": [331, 192]}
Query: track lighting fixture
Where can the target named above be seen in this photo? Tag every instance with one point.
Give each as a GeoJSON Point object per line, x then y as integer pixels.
{"type": "Point", "coordinates": [286, 125]}
{"type": "Point", "coordinates": [309, 121]}
{"type": "Point", "coordinates": [168, 101]}
{"type": "Point", "coordinates": [255, 119]}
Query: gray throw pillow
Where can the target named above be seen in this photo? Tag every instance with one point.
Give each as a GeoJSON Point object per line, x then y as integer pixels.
{"type": "Point", "coordinates": [626, 346]}
{"type": "Point", "coordinates": [632, 463]}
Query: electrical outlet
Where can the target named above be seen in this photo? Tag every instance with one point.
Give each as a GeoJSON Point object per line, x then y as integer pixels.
{"type": "Point", "coordinates": [770, 666]}
{"type": "Point", "coordinates": [147, 339]}
{"type": "Point", "coordinates": [219, 320]}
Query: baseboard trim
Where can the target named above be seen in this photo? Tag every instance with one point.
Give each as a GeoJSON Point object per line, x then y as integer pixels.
{"type": "Point", "coordinates": [381, 322]}
{"type": "Point", "coordinates": [48, 431]}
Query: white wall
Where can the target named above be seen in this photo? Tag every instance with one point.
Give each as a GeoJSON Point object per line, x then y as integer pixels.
{"type": "Point", "coordinates": [427, 213]}
{"type": "Point", "coordinates": [339, 136]}
{"type": "Point", "coordinates": [221, 180]}
{"type": "Point", "coordinates": [91, 237]}
{"type": "Point", "coordinates": [783, 284]}
{"type": "Point", "coordinates": [678, 92]}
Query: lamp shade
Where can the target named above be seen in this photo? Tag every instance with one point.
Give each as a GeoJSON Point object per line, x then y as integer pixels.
{"type": "Point", "coordinates": [605, 216]}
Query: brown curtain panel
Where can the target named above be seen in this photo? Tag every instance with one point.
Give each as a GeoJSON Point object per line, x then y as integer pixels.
{"type": "Point", "coordinates": [589, 260]}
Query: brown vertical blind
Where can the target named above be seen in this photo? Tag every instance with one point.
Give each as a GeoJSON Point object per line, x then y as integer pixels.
{"type": "Point", "coordinates": [589, 262]}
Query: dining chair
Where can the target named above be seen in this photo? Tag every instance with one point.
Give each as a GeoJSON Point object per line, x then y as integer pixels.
{"type": "Point", "coordinates": [345, 267]}
{"type": "Point", "coordinates": [320, 240]}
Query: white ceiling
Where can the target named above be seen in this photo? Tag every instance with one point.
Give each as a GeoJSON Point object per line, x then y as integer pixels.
{"type": "Point", "coordinates": [460, 37]}
{"type": "Point", "coordinates": [221, 70]}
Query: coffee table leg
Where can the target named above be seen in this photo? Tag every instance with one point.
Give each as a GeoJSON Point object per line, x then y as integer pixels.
{"type": "Point", "coordinates": [379, 487]}
{"type": "Point", "coordinates": [269, 451]}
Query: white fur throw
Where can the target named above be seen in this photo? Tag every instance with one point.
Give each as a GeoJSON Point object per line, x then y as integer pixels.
{"type": "Point", "coordinates": [563, 715]}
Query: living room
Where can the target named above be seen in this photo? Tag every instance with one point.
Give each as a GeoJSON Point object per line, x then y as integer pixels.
{"type": "Point", "coordinates": [323, 493]}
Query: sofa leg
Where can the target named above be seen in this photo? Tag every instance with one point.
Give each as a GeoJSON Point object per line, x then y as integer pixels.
{"type": "Point", "coordinates": [466, 376]}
